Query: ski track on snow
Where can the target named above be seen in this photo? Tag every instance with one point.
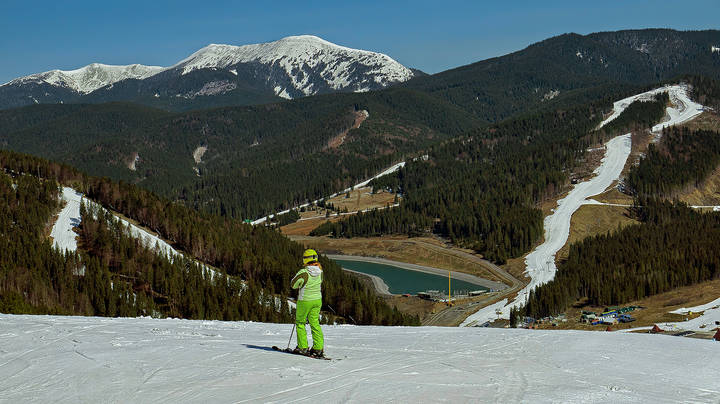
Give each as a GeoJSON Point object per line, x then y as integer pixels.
{"type": "Point", "coordinates": [91, 359]}
{"type": "Point", "coordinates": [540, 263]}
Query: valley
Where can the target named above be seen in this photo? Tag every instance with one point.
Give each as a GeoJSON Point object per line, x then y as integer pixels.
{"type": "Point", "coordinates": [469, 226]}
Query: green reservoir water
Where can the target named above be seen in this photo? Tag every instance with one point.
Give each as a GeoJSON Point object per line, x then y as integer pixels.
{"type": "Point", "coordinates": [401, 280]}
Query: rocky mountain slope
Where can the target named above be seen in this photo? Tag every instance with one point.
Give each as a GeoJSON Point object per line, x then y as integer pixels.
{"type": "Point", "coordinates": [291, 67]}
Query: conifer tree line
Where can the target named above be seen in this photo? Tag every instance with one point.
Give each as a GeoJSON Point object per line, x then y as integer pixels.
{"type": "Point", "coordinates": [641, 114]}
{"type": "Point", "coordinates": [683, 157]}
{"type": "Point", "coordinates": [704, 90]}
{"type": "Point", "coordinates": [261, 259]}
{"type": "Point", "coordinates": [482, 190]}
{"type": "Point", "coordinates": [674, 245]}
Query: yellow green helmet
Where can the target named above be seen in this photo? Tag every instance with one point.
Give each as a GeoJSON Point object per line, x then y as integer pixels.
{"type": "Point", "coordinates": [309, 256]}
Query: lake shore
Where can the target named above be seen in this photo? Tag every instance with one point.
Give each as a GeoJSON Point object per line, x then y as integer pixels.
{"type": "Point", "coordinates": [419, 268]}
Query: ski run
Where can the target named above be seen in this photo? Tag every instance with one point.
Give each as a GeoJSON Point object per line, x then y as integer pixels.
{"type": "Point", "coordinates": [63, 233]}
{"type": "Point", "coordinates": [144, 360]}
{"type": "Point", "coordinates": [540, 263]}
{"type": "Point", "coordinates": [91, 359]}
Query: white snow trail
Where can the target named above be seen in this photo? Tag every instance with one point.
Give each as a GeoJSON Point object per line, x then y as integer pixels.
{"type": "Point", "coordinates": [387, 171]}
{"type": "Point", "coordinates": [64, 236]}
{"type": "Point", "coordinates": [143, 360]}
{"type": "Point", "coordinates": [540, 263]}
{"type": "Point", "coordinates": [62, 231]}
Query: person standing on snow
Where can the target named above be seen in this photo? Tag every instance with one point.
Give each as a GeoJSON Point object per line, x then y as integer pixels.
{"type": "Point", "coordinates": [309, 281]}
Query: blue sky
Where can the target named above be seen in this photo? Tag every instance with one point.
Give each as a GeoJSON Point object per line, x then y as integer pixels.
{"type": "Point", "coordinates": [432, 36]}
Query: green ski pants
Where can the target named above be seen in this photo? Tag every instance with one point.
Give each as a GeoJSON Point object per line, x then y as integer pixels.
{"type": "Point", "coordinates": [309, 310]}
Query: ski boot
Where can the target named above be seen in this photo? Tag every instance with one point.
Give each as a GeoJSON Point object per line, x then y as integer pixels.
{"type": "Point", "coordinates": [300, 351]}
{"type": "Point", "coordinates": [316, 353]}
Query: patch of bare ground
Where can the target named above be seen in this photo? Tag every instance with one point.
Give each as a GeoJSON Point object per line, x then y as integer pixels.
{"type": "Point", "coordinates": [361, 199]}
{"type": "Point", "coordinates": [415, 306]}
{"type": "Point", "coordinates": [304, 227]}
{"type": "Point", "coordinates": [420, 250]}
{"type": "Point", "coordinates": [356, 200]}
{"type": "Point", "coordinates": [705, 193]}
{"type": "Point", "coordinates": [656, 309]}
{"type": "Point", "coordinates": [614, 196]}
{"type": "Point", "coordinates": [359, 118]}
{"type": "Point", "coordinates": [591, 220]}
{"type": "Point", "coordinates": [705, 121]}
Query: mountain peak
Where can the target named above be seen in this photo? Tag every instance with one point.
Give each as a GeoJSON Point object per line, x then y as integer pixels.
{"type": "Point", "coordinates": [305, 60]}
{"type": "Point", "coordinates": [89, 78]}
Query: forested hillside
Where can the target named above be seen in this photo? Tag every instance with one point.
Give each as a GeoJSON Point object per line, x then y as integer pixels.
{"type": "Point", "coordinates": [258, 159]}
{"type": "Point", "coordinates": [482, 191]}
{"type": "Point", "coordinates": [260, 262]}
{"type": "Point", "coordinates": [262, 159]}
{"type": "Point", "coordinates": [674, 245]}
{"type": "Point", "coordinates": [683, 157]}
{"type": "Point", "coordinates": [497, 88]}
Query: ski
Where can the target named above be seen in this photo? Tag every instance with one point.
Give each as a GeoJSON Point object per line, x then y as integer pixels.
{"type": "Point", "coordinates": [290, 351]}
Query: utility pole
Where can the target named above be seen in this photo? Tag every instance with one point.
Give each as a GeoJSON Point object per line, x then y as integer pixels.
{"type": "Point", "coordinates": [449, 292]}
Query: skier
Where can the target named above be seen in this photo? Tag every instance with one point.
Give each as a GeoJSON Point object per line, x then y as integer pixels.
{"type": "Point", "coordinates": [308, 280]}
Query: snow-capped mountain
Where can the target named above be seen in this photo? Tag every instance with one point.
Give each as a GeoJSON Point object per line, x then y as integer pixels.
{"type": "Point", "coordinates": [89, 78]}
{"type": "Point", "coordinates": [291, 67]}
{"type": "Point", "coordinates": [304, 65]}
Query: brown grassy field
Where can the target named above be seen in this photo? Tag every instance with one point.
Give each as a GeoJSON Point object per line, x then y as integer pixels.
{"type": "Point", "coordinates": [591, 220]}
{"type": "Point", "coordinates": [706, 121]}
{"type": "Point", "coordinates": [360, 199]}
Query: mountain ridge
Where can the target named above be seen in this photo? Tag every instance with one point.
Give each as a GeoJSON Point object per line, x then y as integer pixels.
{"type": "Point", "coordinates": [292, 67]}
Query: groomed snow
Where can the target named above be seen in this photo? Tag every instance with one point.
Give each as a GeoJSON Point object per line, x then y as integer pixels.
{"type": "Point", "coordinates": [682, 110]}
{"type": "Point", "coordinates": [540, 263]}
{"type": "Point", "coordinates": [89, 359]}
{"type": "Point", "coordinates": [69, 217]}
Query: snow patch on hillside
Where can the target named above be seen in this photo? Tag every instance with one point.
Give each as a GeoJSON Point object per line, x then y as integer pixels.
{"type": "Point", "coordinates": [62, 232]}
{"type": "Point", "coordinates": [144, 360]}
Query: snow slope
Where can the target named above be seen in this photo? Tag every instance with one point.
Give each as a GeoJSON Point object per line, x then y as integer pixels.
{"type": "Point", "coordinates": [682, 110]}
{"type": "Point", "coordinates": [540, 263]}
{"type": "Point", "coordinates": [89, 359]}
{"type": "Point", "coordinates": [300, 58]}
{"type": "Point", "coordinates": [62, 231]}
{"type": "Point", "coordinates": [705, 322]}
{"type": "Point", "coordinates": [89, 78]}
{"type": "Point", "coordinates": [64, 236]}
